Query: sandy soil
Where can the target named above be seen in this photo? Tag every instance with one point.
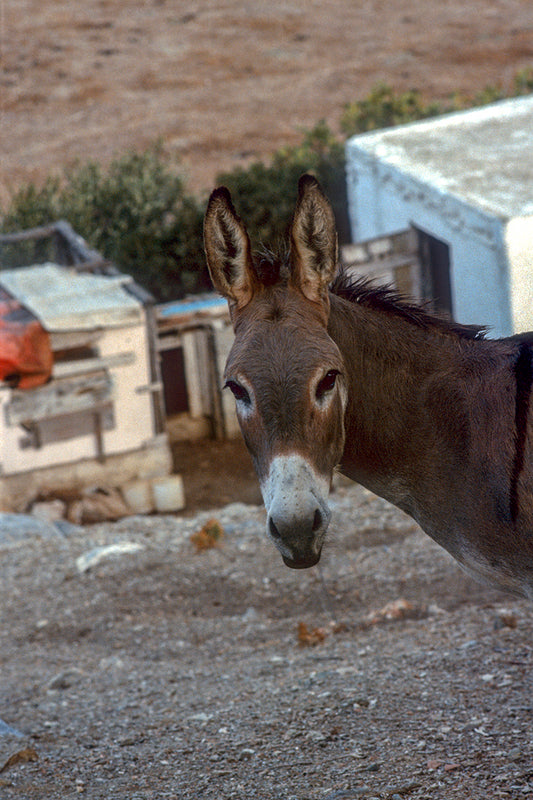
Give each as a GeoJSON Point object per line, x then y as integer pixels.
{"type": "Point", "coordinates": [166, 672]}
{"type": "Point", "coordinates": [228, 81]}
{"type": "Point", "coordinates": [215, 473]}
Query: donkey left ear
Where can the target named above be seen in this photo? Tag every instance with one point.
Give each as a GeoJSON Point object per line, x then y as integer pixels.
{"type": "Point", "coordinates": [228, 251]}
{"type": "Point", "coordinates": [313, 241]}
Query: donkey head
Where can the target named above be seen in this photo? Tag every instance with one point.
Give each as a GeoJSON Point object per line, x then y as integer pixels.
{"type": "Point", "coordinates": [286, 373]}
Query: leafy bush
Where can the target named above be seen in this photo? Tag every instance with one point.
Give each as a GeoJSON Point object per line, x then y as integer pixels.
{"type": "Point", "coordinates": [136, 214]}
{"type": "Point", "coordinates": [264, 195]}
{"type": "Point", "coordinates": [523, 82]}
{"type": "Point", "coordinates": [384, 108]}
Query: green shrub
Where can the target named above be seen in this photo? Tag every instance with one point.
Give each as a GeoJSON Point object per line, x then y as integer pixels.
{"type": "Point", "coordinates": [523, 82]}
{"type": "Point", "coordinates": [384, 108]}
{"type": "Point", "coordinates": [136, 214]}
{"type": "Point", "coordinates": [264, 195]}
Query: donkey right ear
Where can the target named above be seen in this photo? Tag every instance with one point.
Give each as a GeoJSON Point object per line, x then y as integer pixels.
{"type": "Point", "coordinates": [227, 249]}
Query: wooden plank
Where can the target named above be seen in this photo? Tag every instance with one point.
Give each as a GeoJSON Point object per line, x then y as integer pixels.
{"type": "Point", "coordinates": [28, 235]}
{"type": "Point", "coordinates": [63, 369]}
{"type": "Point", "coordinates": [60, 396]}
{"type": "Point", "coordinates": [71, 340]}
{"type": "Point", "coordinates": [68, 426]}
{"type": "Point", "coordinates": [192, 376]}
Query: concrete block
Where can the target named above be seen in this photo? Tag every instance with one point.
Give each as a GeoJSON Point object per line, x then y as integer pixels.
{"type": "Point", "coordinates": [138, 496]}
{"type": "Point", "coordinates": [168, 494]}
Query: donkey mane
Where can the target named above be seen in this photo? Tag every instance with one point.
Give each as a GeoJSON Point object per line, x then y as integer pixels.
{"type": "Point", "coordinates": [385, 298]}
{"type": "Point", "coordinates": [272, 267]}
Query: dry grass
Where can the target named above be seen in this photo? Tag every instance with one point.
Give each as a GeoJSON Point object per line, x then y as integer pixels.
{"type": "Point", "coordinates": [229, 80]}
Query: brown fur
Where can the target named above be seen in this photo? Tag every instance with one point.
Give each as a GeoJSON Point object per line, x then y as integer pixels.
{"type": "Point", "coordinates": [436, 419]}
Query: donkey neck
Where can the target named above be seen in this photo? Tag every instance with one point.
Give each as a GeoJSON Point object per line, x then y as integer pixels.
{"type": "Point", "coordinates": [412, 396]}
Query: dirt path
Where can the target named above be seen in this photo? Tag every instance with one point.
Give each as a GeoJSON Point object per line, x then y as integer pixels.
{"type": "Point", "coordinates": [168, 673]}
{"type": "Point", "coordinates": [229, 81]}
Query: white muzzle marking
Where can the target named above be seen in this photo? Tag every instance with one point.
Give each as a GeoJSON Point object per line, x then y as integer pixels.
{"type": "Point", "coordinates": [295, 497]}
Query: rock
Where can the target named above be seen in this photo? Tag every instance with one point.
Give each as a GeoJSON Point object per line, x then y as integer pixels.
{"type": "Point", "coordinates": [98, 505]}
{"type": "Point", "coordinates": [505, 619]}
{"type": "Point", "coordinates": [168, 494]}
{"type": "Point", "coordinates": [95, 556]}
{"type": "Point", "coordinates": [200, 717]}
{"type": "Point", "coordinates": [138, 496]}
{"type": "Point", "coordinates": [13, 749]}
{"type": "Point", "coordinates": [250, 615]}
{"type": "Point", "coordinates": [16, 528]}
{"type": "Point", "coordinates": [65, 679]}
{"type": "Point", "coordinates": [19, 755]}
{"type": "Point", "coordinates": [49, 510]}
{"type": "Point", "coordinates": [7, 730]}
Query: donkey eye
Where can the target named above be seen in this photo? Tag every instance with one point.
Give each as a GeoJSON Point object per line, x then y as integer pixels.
{"type": "Point", "coordinates": [326, 384]}
{"type": "Point", "coordinates": [239, 392]}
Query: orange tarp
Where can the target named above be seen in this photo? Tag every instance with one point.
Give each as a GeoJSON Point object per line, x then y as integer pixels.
{"type": "Point", "coordinates": [26, 358]}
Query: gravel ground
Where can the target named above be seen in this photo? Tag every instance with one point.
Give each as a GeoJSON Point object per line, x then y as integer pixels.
{"type": "Point", "coordinates": [164, 672]}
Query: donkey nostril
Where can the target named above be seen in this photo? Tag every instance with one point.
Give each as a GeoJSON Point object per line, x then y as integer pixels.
{"type": "Point", "coordinates": [275, 534]}
{"type": "Point", "coordinates": [317, 520]}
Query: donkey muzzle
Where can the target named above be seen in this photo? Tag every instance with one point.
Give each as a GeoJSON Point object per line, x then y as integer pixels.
{"type": "Point", "coordinates": [298, 514]}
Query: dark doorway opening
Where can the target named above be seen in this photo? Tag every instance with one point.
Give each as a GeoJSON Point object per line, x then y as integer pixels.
{"type": "Point", "coordinates": [174, 382]}
{"type": "Point", "coordinates": [435, 272]}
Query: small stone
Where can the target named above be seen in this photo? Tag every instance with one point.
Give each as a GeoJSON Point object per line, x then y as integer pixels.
{"type": "Point", "coordinates": [65, 679]}
{"type": "Point", "coordinates": [316, 737]}
{"type": "Point", "coordinates": [505, 619]}
{"type": "Point", "coordinates": [201, 717]}
{"type": "Point", "coordinates": [7, 730]}
{"type": "Point", "coordinates": [111, 662]}
{"type": "Point", "coordinates": [49, 510]}
{"type": "Point", "coordinates": [246, 754]}
{"type": "Point", "coordinates": [93, 557]}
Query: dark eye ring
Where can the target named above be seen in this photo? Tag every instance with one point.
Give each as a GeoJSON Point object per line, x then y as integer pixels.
{"type": "Point", "coordinates": [327, 383]}
{"type": "Point", "coordinates": [239, 392]}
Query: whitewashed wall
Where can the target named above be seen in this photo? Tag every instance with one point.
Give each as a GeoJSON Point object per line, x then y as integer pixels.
{"type": "Point", "coordinates": [519, 244]}
{"type": "Point", "coordinates": [383, 200]}
{"type": "Point", "coordinates": [132, 409]}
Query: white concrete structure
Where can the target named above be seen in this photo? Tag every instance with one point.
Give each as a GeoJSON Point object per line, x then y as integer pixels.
{"type": "Point", "coordinates": [466, 180]}
{"type": "Point", "coordinates": [94, 422]}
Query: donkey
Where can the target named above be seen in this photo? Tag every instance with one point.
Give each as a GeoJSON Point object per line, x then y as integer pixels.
{"type": "Point", "coordinates": [328, 372]}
